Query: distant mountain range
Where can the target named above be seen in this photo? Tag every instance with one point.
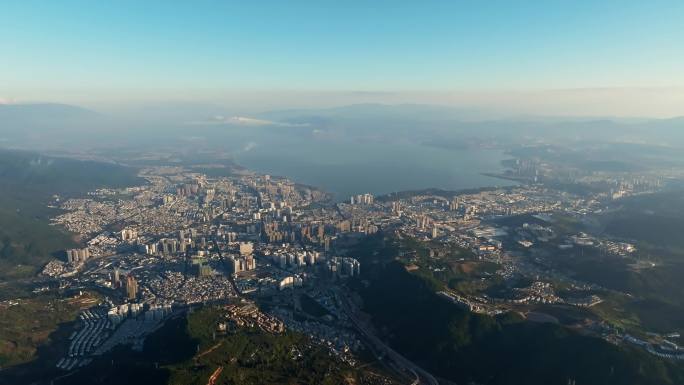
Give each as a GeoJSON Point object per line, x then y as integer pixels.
{"type": "Point", "coordinates": [44, 110]}
{"type": "Point", "coordinates": [431, 124]}
{"type": "Point", "coordinates": [59, 125]}
{"type": "Point", "coordinates": [46, 123]}
{"type": "Point", "coordinates": [45, 115]}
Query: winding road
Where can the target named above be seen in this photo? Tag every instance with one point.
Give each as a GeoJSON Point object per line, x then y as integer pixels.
{"type": "Point", "coordinates": [422, 376]}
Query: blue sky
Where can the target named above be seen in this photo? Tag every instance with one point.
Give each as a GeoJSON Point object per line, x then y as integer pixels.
{"type": "Point", "coordinates": [98, 47]}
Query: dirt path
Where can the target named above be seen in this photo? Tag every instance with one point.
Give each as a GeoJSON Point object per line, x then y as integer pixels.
{"type": "Point", "coordinates": [211, 349]}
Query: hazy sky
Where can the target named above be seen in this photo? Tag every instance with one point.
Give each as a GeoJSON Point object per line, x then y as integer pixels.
{"type": "Point", "coordinates": [295, 52]}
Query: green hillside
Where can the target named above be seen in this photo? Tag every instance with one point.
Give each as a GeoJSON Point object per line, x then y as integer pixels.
{"type": "Point", "coordinates": [185, 351]}
{"type": "Point", "coordinates": [464, 347]}
{"type": "Point", "coordinates": [29, 182]}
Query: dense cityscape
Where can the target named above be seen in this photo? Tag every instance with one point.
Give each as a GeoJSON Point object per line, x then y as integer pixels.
{"type": "Point", "coordinates": [341, 193]}
{"type": "Point", "coordinates": [264, 248]}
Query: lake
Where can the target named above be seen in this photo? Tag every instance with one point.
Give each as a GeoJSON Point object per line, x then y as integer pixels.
{"type": "Point", "coordinates": [346, 168]}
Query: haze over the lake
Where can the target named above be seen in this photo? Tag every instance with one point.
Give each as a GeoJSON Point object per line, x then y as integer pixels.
{"type": "Point", "coordinates": [350, 96]}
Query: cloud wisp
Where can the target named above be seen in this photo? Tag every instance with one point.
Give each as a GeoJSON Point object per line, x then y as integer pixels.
{"type": "Point", "coordinates": [244, 121]}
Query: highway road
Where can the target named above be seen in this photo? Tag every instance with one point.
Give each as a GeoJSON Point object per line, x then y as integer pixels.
{"type": "Point", "coordinates": [422, 376]}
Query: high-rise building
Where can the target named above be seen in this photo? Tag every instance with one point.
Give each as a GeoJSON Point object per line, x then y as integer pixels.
{"type": "Point", "coordinates": [299, 259]}
{"type": "Point", "coordinates": [231, 237]}
{"type": "Point", "coordinates": [77, 255]}
{"type": "Point", "coordinates": [366, 199]}
{"type": "Point", "coordinates": [131, 287]}
{"type": "Point", "coordinates": [311, 257]}
{"type": "Point", "coordinates": [116, 282]}
{"type": "Point", "coordinates": [151, 248]}
{"type": "Point", "coordinates": [453, 205]}
{"type": "Point", "coordinates": [238, 264]}
{"type": "Point", "coordinates": [234, 265]}
{"type": "Point", "coordinates": [344, 267]}
{"type": "Point", "coordinates": [396, 208]}
{"type": "Point", "coordinates": [250, 263]}
{"type": "Point", "coordinates": [129, 235]}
